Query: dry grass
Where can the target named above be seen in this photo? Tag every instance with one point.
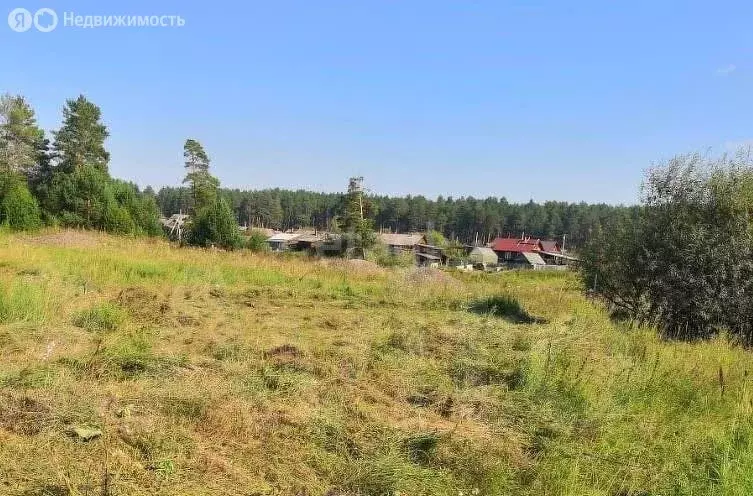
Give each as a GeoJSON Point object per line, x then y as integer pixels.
{"type": "Point", "coordinates": [240, 374]}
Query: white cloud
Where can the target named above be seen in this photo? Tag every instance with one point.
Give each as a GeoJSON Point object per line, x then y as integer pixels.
{"type": "Point", "coordinates": [726, 70]}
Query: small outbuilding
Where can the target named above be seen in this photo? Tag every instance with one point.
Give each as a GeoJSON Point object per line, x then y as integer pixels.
{"type": "Point", "coordinates": [483, 256]}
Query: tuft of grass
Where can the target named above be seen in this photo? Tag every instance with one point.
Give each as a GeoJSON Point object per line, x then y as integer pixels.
{"type": "Point", "coordinates": [505, 307]}
{"type": "Point", "coordinates": [421, 447]}
{"type": "Point", "coordinates": [100, 318]}
{"type": "Point", "coordinates": [22, 301]}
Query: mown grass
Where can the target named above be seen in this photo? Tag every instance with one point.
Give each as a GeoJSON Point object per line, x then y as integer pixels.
{"type": "Point", "coordinates": [235, 373]}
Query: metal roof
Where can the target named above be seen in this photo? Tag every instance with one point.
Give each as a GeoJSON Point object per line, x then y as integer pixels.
{"type": "Point", "coordinates": [282, 237]}
{"type": "Point", "coordinates": [516, 244]}
{"type": "Point", "coordinates": [559, 255]}
{"type": "Point", "coordinates": [309, 238]}
{"type": "Point", "coordinates": [534, 258]}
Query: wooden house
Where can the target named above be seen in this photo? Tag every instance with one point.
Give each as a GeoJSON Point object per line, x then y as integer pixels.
{"type": "Point", "coordinates": [399, 243]}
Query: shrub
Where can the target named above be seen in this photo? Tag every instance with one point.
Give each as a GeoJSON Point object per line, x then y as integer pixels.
{"type": "Point", "coordinates": [382, 256]}
{"type": "Point", "coordinates": [257, 242]}
{"type": "Point", "coordinates": [685, 262]}
{"type": "Point", "coordinates": [215, 225]}
{"type": "Point", "coordinates": [18, 208]}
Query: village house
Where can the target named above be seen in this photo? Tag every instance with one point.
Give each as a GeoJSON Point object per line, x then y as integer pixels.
{"type": "Point", "coordinates": [399, 243]}
{"type": "Point", "coordinates": [281, 241]}
{"type": "Point", "coordinates": [429, 255]}
{"type": "Point", "coordinates": [510, 250]}
{"type": "Point", "coordinates": [532, 253]}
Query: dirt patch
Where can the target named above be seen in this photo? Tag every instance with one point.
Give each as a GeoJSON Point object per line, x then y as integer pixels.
{"type": "Point", "coordinates": [68, 238]}
{"type": "Point", "coordinates": [283, 350]}
{"type": "Point", "coordinates": [23, 415]}
{"type": "Point", "coordinates": [288, 357]}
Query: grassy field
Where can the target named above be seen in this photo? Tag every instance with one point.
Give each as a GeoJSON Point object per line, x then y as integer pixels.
{"type": "Point", "coordinates": [131, 367]}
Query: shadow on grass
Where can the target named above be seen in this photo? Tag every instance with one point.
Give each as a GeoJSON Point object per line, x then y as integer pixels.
{"type": "Point", "coordinates": [504, 307]}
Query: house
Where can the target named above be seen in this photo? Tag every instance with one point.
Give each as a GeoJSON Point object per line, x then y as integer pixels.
{"type": "Point", "coordinates": [553, 254]}
{"type": "Point", "coordinates": [483, 256]}
{"type": "Point", "coordinates": [510, 250]}
{"type": "Point", "coordinates": [398, 243]}
{"type": "Point", "coordinates": [531, 253]}
{"type": "Point", "coordinates": [307, 242]}
{"type": "Point", "coordinates": [429, 255]}
{"type": "Point", "coordinates": [332, 245]}
{"type": "Point", "coordinates": [281, 241]}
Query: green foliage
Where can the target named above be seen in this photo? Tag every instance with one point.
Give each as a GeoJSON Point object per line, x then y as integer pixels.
{"type": "Point", "coordinates": [80, 141]}
{"type": "Point", "coordinates": [202, 184]}
{"type": "Point", "coordinates": [22, 302]}
{"type": "Point", "coordinates": [454, 250]}
{"type": "Point", "coordinates": [435, 238]}
{"type": "Point", "coordinates": [100, 318]}
{"type": "Point", "coordinates": [354, 204]}
{"type": "Point", "coordinates": [380, 254]}
{"type": "Point", "coordinates": [257, 241]}
{"type": "Point", "coordinates": [140, 207]}
{"type": "Point", "coordinates": [18, 208]}
{"type": "Point", "coordinates": [215, 225]}
{"type": "Point", "coordinates": [89, 198]}
{"type": "Point", "coordinates": [459, 218]}
{"type": "Point", "coordinates": [20, 137]}
{"type": "Point", "coordinates": [685, 263]}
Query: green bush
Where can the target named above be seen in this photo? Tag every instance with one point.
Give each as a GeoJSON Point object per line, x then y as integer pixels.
{"type": "Point", "coordinates": [18, 208]}
{"type": "Point", "coordinates": [380, 254]}
{"type": "Point", "coordinates": [257, 241]}
{"type": "Point", "coordinates": [684, 262]}
{"type": "Point", "coordinates": [215, 225]}
{"type": "Point", "coordinates": [87, 197]}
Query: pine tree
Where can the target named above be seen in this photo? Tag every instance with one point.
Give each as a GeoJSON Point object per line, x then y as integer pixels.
{"type": "Point", "coordinates": [81, 139]}
{"type": "Point", "coordinates": [20, 138]}
{"type": "Point", "coordinates": [202, 184]}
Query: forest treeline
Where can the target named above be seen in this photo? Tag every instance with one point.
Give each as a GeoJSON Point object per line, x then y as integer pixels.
{"type": "Point", "coordinates": [64, 180]}
{"type": "Point", "coordinates": [466, 219]}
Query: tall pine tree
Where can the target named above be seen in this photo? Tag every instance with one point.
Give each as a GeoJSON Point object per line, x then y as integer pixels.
{"type": "Point", "coordinates": [81, 139]}
{"type": "Point", "coordinates": [202, 184]}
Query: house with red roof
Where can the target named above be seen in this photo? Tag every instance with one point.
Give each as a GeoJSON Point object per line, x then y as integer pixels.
{"type": "Point", "coordinates": [518, 251]}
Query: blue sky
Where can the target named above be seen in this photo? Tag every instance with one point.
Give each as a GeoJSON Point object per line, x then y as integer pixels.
{"type": "Point", "coordinates": [530, 99]}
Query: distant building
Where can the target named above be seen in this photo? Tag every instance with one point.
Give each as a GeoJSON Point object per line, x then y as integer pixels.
{"type": "Point", "coordinates": [483, 256]}
{"type": "Point", "coordinates": [399, 243]}
{"type": "Point", "coordinates": [429, 255]}
{"type": "Point", "coordinates": [530, 253]}
{"type": "Point", "coordinates": [510, 250]}
{"type": "Point", "coordinates": [309, 242]}
{"type": "Point", "coordinates": [281, 241]}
